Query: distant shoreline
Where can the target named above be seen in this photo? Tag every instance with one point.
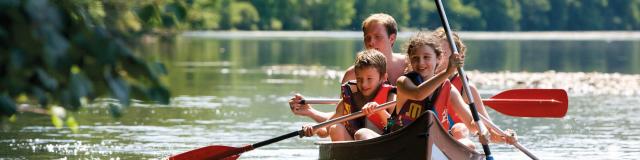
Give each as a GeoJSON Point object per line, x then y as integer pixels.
{"type": "Point", "coordinates": [537, 35]}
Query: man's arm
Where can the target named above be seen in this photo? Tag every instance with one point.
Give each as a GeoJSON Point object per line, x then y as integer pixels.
{"type": "Point", "coordinates": [307, 110]}
{"type": "Point", "coordinates": [349, 74]}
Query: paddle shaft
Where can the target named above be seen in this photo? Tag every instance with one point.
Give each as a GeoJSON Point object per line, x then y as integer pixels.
{"type": "Point", "coordinates": [463, 77]}
{"type": "Point", "coordinates": [516, 144]}
{"type": "Point", "coordinates": [495, 101]}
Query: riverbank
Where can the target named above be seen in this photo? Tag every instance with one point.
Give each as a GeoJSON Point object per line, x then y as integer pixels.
{"type": "Point", "coordinates": [551, 35]}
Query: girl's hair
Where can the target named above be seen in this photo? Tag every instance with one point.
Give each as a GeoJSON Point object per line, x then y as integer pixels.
{"type": "Point", "coordinates": [421, 39]}
{"type": "Point", "coordinates": [442, 35]}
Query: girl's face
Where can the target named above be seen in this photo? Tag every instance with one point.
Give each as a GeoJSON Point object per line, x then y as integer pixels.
{"type": "Point", "coordinates": [424, 61]}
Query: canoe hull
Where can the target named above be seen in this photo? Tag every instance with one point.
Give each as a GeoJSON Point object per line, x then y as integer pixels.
{"type": "Point", "coordinates": [416, 141]}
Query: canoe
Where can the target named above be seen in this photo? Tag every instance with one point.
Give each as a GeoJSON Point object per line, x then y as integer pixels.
{"type": "Point", "coordinates": [423, 139]}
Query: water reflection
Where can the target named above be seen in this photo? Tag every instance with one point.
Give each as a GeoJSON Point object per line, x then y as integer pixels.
{"type": "Point", "coordinates": [234, 92]}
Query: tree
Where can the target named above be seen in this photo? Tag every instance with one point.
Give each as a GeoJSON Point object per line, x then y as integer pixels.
{"type": "Point", "coordinates": [331, 15]}
{"type": "Point", "coordinates": [500, 15]}
{"type": "Point", "coordinates": [69, 52]}
{"type": "Point", "coordinates": [422, 14]}
{"type": "Point", "coordinates": [533, 14]}
{"type": "Point", "coordinates": [397, 9]}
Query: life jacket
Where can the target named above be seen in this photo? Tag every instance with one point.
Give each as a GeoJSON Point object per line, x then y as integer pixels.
{"type": "Point", "coordinates": [437, 102]}
{"type": "Point", "coordinates": [447, 116]}
{"type": "Point", "coordinates": [350, 106]}
{"type": "Point", "coordinates": [411, 109]}
{"type": "Point", "coordinates": [457, 82]}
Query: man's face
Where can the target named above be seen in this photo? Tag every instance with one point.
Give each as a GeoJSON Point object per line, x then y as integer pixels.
{"type": "Point", "coordinates": [368, 79]}
{"type": "Point", "coordinates": [376, 38]}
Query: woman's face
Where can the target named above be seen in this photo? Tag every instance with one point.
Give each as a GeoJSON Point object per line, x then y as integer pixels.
{"type": "Point", "coordinates": [446, 52]}
{"type": "Point", "coordinates": [424, 61]}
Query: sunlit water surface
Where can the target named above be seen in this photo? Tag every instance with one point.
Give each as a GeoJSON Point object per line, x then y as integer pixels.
{"type": "Point", "coordinates": [235, 92]}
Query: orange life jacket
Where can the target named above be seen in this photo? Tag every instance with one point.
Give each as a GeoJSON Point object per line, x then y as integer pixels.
{"type": "Point", "coordinates": [349, 107]}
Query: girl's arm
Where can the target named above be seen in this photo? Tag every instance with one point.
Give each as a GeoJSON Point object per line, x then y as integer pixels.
{"type": "Point", "coordinates": [411, 91]}
{"type": "Point", "coordinates": [462, 109]}
{"type": "Point", "coordinates": [408, 90]}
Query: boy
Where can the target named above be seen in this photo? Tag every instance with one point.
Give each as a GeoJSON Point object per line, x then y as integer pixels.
{"type": "Point", "coordinates": [366, 93]}
{"type": "Point", "coordinates": [379, 31]}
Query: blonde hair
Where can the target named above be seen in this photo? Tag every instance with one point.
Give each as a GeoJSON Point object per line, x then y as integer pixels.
{"type": "Point", "coordinates": [442, 35]}
{"type": "Point", "coordinates": [386, 20]}
{"type": "Point", "coordinates": [371, 58]}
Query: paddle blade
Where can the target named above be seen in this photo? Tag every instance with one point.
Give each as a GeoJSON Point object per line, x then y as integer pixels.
{"type": "Point", "coordinates": [550, 103]}
{"type": "Point", "coordinates": [209, 152]}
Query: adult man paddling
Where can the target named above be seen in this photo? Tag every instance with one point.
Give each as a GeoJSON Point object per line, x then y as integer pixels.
{"type": "Point", "coordinates": [380, 31]}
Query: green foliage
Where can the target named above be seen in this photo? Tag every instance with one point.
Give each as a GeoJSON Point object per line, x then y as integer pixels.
{"type": "Point", "coordinates": [399, 9]}
{"type": "Point", "coordinates": [68, 51]}
{"type": "Point", "coordinates": [500, 15]}
{"type": "Point", "coordinates": [484, 15]}
{"type": "Point", "coordinates": [244, 16]}
{"type": "Point", "coordinates": [330, 14]}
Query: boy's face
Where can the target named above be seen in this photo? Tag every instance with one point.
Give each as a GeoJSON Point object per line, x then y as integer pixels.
{"type": "Point", "coordinates": [368, 80]}
{"type": "Point", "coordinates": [376, 38]}
{"type": "Point", "coordinates": [424, 61]}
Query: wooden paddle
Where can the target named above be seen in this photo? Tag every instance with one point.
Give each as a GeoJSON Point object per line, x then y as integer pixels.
{"type": "Point", "coordinates": [549, 103]}
{"type": "Point", "coordinates": [232, 153]}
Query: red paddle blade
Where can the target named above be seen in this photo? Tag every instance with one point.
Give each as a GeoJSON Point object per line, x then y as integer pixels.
{"type": "Point", "coordinates": [209, 152]}
{"type": "Point", "coordinates": [551, 103]}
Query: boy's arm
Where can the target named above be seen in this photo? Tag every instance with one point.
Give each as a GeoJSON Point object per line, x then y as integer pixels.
{"type": "Point", "coordinates": [324, 132]}
{"type": "Point", "coordinates": [307, 110]}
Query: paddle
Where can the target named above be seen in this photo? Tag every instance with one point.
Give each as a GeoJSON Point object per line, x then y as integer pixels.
{"type": "Point", "coordinates": [516, 144]}
{"type": "Point", "coordinates": [231, 153]}
{"type": "Point", "coordinates": [551, 103]}
{"type": "Point", "coordinates": [465, 84]}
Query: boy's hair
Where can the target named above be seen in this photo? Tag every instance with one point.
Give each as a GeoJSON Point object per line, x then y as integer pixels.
{"type": "Point", "coordinates": [442, 35]}
{"type": "Point", "coordinates": [371, 58]}
{"type": "Point", "coordinates": [422, 39]}
{"type": "Point", "coordinates": [386, 20]}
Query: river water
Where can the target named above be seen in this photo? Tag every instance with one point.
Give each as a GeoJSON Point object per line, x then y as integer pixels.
{"type": "Point", "coordinates": [234, 91]}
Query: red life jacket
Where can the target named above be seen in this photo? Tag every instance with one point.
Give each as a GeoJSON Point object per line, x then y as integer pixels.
{"type": "Point", "coordinates": [449, 117]}
{"type": "Point", "coordinates": [349, 107]}
{"type": "Point", "coordinates": [457, 82]}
